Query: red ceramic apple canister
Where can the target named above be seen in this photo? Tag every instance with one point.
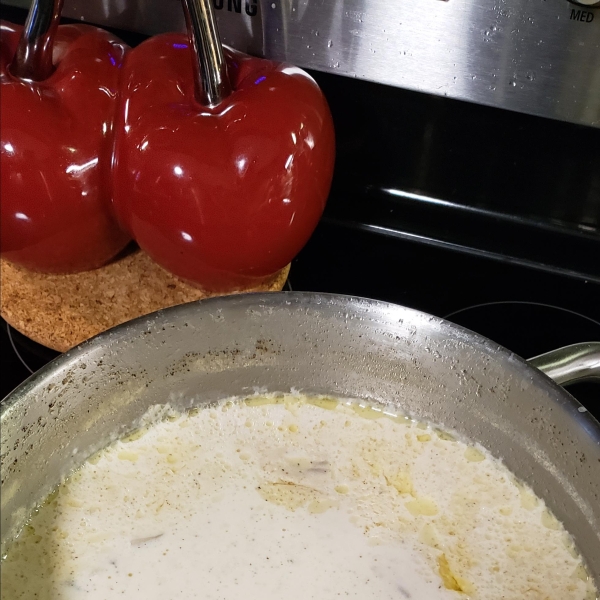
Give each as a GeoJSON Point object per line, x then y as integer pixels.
{"type": "Point", "coordinates": [223, 161]}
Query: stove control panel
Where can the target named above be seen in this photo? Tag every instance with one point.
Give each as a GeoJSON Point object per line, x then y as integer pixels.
{"type": "Point", "coordinates": [540, 57]}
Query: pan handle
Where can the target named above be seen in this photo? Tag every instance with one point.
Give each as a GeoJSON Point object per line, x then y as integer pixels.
{"type": "Point", "coordinates": [578, 362]}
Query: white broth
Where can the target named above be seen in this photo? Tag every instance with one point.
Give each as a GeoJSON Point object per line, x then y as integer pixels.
{"type": "Point", "coordinates": [293, 498]}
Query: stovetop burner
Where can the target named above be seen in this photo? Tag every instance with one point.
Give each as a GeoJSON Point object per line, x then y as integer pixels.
{"type": "Point", "coordinates": [531, 328]}
{"type": "Point", "coordinates": [21, 357]}
{"type": "Point", "coordinates": [527, 328]}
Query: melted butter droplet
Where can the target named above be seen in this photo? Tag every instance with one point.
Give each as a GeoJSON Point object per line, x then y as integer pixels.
{"type": "Point", "coordinates": [474, 455]}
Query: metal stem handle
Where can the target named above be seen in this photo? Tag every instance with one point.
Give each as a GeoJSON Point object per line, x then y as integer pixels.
{"type": "Point", "coordinates": [33, 58]}
{"type": "Point", "coordinates": [210, 69]}
{"type": "Point", "coordinates": [570, 364]}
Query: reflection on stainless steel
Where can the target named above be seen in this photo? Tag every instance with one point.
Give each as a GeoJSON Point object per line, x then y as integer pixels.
{"type": "Point", "coordinates": [579, 362]}
{"type": "Point", "coordinates": [33, 58]}
{"type": "Point", "coordinates": [540, 57]}
{"type": "Point", "coordinates": [210, 70]}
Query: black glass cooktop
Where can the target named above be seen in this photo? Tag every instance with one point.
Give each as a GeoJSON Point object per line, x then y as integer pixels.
{"type": "Point", "coordinates": [527, 310]}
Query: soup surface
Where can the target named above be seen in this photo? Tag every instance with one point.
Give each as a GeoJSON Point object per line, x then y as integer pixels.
{"type": "Point", "coordinates": [291, 498]}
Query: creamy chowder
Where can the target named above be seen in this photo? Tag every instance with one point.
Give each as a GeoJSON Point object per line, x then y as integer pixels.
{"type": "Point", "coordinates": [293, 498]}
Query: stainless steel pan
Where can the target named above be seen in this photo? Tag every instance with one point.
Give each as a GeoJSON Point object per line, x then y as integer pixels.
{"type": "Point", "coordinates": [319, 344]}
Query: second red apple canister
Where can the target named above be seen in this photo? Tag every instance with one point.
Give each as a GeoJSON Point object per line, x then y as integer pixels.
{"type": "Point", "coordinates": [222, 196]}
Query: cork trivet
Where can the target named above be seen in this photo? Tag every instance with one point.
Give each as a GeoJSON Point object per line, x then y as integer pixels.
{"type": "Point", "coordinates": [61, 311]}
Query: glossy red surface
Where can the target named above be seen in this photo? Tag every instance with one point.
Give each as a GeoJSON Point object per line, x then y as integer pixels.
{"type": "Point", "coordinates": [221, 197]}
{"type": "Point", "coordinates": [56, 138]}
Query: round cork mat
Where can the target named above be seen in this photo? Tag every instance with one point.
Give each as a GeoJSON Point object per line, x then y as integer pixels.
{"type": "Point", "coordinates": [61, 311]}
